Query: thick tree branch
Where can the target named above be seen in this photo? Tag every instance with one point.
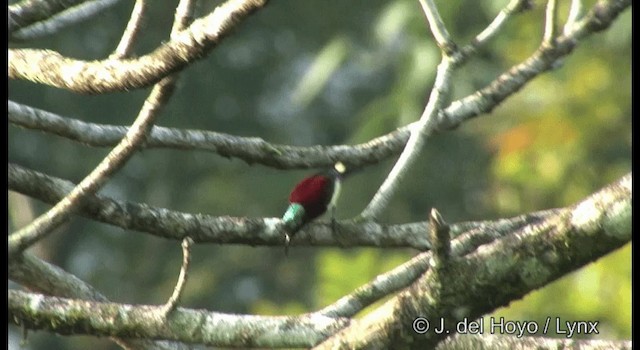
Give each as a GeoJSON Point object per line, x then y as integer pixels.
{"type": "Point", "coordinates": [110, 75]}
{"type": "Point", "coordinates": [505, 269]}
{"type": "Point", "coordinates": [499, 272]}
{"type": "Point", "coordinates": [492, 342]}
{"type": "Point", "coordinates": [69, 316]}
{"type": "Point", "coordinates": [40, 276]}
{"type": "Point", "coordinates": [208, 229]}
{"type": "Point", "coordinates": [470, 235]}
{"type": "Point", "coordinates": [204, 228]}
{"type": "Point", "coordinates": [250, 149]}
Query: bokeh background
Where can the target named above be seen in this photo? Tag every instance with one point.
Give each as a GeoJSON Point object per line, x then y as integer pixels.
{"type": "Point", "coordinates": [335, 72]}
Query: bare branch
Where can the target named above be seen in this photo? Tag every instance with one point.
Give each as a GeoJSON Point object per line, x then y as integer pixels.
{"type": "Point", "coordinates": [172, 303]}
{"type": "Point", "coordinates": [257, 150]}
{"type": "Point", "coordinates": [110, 75]}
{"type": "Point", "coordinates": [131, 32]}
{"type": "Point", "coordinates": [440, 239]}
{"type": "Point", "coordinates": [420, 131]}
{"type": "Point", "coordinates": [470, 236]}
{"type": "Point", "coordinates": [69, 316]}
{"type": "Point", "coordinates": [204, 228]}
{"type": "Point", "coordinates": [48, 221]}
{"type": "Point", "coordinates": [562, 241]}
{"type": "Point", "coordinates": [438, 29]}
{"type": "Point", "coordinates": [491, 341]}
{"type": "Point", "coordinates": [38, 275]}
{"type": "Point", "coordinates": [113, 162]}
{"type": "Point", "coordinates": [575, 11]}
{"type": "Point", "coordinates": [67, 18]}
{"type": "Point", "coordinates": [25, 13]}
{"type": "Point", "coordinates": [550, 23]}
{"type": "Point", "coordinates": [250, 149]}
{"type": "Point", "coordinates": [500, 272]}
{"type": "Point", "coordinates": [542, 60]}
{"type": "Point", "coordinates": [208, 229]}
{"type": "Point", "coordinates": [513, 7]}
{"type": "Point", "coordinates": [183, 16]}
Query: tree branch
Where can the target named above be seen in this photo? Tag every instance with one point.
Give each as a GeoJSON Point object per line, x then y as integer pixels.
{"type": "Point", "coordinates": [113, 162]}
{"type": "Point", "coordinates": [69, 316]}
{"type": "Point", "coordinates": [505, 269]}
{"type": "Point", "coordinates": [513, 7]}
{"type": "Point", "coordinates": [250, 149]}
{"type": "Point", "coordinates": [57, 21]}
{"type": "Point", "coordinates": [470, 235]}
{"type": "Point", "coordinates": [499, 272]}
{"type": "Point", "coordinates": [48, 221]}
{"type": "Point", "coordinates": [37, 275]}
{"type": "Point", "coordinates": [419, 133]}
{"type": "Point", "coordinates": [257, 150]}
{"type": "Point", "coordinates": [25, 13]}
{"type": "Point", "coordinates": [125, 46]}
{"type": "Point", "coordinates": [110, 75]}
{"type": "Point", "coordinates": [173, 301]}
{"type": "Point", "coordinates": [438, 29]}
{"type": "Point", "coordinates": [491, 342]}
{"type": "Point", "coordinates": [204, 228]}
{"type": "Point", "coordinates": [550, 23]}
{"type": "Point", "coordinates": [543, 59]}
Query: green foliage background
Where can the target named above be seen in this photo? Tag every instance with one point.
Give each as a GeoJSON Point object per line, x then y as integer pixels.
{"type": "Point", "coordinates": [336, 72]}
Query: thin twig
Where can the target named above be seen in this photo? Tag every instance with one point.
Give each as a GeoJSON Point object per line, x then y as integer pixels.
{"type": "Point", "coordinates": [513, 7]}
{"type": "Point", "coordinates": [575, 11]}
{"type": "Point", "coordinates": [183, 17]}
{"type": "Point", "coordinates": [71, 16]}
{"type": "Point", "coordinates": [438, 29]}
{"type": "Point", "coordinates": [172, 303]}
{"type": "Point", "coordinates": [420, 131]}
{"type": "Point", "coordinates": [550, 23]}
{"type": "Point", "coordinates": [131, 32]}
{"type": "Point", "coordinates": [25, 13]}
{"type": "Point", "coordinates": [545, 58]}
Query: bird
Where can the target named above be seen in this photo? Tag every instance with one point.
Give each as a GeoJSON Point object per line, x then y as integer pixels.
{"type": "Point", "coordinates": [312, 197]}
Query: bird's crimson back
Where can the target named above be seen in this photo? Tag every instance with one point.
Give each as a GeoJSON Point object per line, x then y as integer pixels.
{"type": "Point", "coordinates": [313, 193]}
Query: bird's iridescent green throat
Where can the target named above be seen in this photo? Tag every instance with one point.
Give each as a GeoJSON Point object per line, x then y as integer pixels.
{"type": "Point", "coordinates": [293, 216]}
